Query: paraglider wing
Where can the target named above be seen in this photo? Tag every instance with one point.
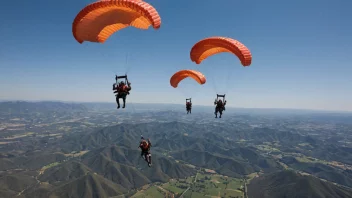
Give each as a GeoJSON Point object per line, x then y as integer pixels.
{"type": "Point", "coordinates": [180, 75]}
{"type": "Point", "coordinates": [214, 45]}
{"type": "Point", "coordinates": [98, 21]}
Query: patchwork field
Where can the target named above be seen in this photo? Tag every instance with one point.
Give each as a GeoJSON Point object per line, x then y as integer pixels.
{"type": "Point", "coordinates": [201, 185]}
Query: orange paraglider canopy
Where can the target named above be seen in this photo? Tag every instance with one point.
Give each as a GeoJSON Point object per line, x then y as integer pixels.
{"type": "Point", "coordinates": [180, 75]}
{"type": "Point", "coordinates": [214, 45]}
{"type": "Point", "coordinates": [99, 20]}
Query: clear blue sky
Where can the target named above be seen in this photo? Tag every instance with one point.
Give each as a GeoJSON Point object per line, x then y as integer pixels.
{"type": "Point", "coordinates": [301, 53]}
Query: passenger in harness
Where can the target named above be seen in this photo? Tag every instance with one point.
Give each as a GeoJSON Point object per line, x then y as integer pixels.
{"type": "Point", "coordinates": [121, 90]}
{"type": "Point", "coordinates": [189, 106]}
{"type": "Point", "coordinates": [145, 150]}
{"type": "Point", "coordinates": [220, 106]}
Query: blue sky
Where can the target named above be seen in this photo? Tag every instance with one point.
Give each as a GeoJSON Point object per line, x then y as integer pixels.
{"type": "Point", "coordinates": [301, 54]}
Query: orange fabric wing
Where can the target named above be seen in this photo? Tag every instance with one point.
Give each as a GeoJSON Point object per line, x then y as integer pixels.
{"type": "Point", "coordinates": [214, 45]}
{"type": "Point", "coordinates": [99, 20]}
{"type": "Point", "coordinates": [180, 75]}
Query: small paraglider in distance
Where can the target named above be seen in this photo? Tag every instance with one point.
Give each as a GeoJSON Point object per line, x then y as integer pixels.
{"type": "Point", "coordinates": [145, 145]}
{"type": "Point", "coordinates": [181, 75]}
{"type": "Point", "coordinates": [189, 105]}
{"type": "Point", "coordinates": [121, 89]}
{"type": "Point", "coordinates": [220, 105]}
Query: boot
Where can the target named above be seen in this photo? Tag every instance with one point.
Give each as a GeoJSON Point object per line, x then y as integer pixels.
{"type": "Point", "coordinates": [117, 101]}
{"type": "Point", "coordinates": [150, 161]}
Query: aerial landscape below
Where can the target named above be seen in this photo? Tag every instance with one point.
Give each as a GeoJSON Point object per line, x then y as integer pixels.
{"type": "Point", "coordinates": [55, 149]}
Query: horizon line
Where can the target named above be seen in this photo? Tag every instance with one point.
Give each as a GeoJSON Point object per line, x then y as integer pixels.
{"type": "Point", "coordinates": [261, 108]}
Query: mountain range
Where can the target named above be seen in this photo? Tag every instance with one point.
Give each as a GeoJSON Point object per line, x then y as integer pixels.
{"type": "Point", "coordinates": [105, 161]}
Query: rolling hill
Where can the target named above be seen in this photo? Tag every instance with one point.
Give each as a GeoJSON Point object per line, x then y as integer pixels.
{"type": "Point", "coordinates": [290, 184]}
{"type": "Point", "coordinates": [96, 154]}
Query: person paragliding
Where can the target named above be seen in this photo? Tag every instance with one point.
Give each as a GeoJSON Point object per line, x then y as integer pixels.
{"type": "Point", "coordinates": [145, 145]}
{"type": "Point", "coordinates": [220, 105]}
{"type": "Point", "coordinates": [189, 105]}
{"type": "Point", "coordinates": [212, 46]}
{"type": "Point", "coordinates": [98, 21]}
{"type": "Point", "coordinates": [177, 77]}
{"type": "Point", "coordinates": [121, 90]}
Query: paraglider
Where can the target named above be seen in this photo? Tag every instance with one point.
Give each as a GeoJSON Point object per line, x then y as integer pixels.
{"type": "Point", "coordinates": [220, 105]}
{"type": "Point", "coordinates": [180, 75]}
{"type": "Point", "coordinates": [189, 105]}
{"type": "Point", "coordinates": [121, 90]}
{"type": "Point", "coordinates": [145, 150]}
{"type": "Point", "coordinates": [98, 21]}
{"type": "Point", "coordinates": [214, 45]}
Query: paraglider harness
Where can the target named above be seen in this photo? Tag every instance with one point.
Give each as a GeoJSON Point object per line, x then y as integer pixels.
{"type": "Point", "coordinates": [126, 83]}
{"type": "Point", "coordinates": [188, 105]}
{"type": "Point", "coordinates": [145, 153]}
{"type": "Point", "coordinates": [145, 145]}
{"type": "Point", "coordinates": [218, 108]}
{"type": "Point", "coordinates": [223, 100]}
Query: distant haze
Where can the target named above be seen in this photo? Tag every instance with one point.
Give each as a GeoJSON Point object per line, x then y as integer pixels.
{"type": "Point", "coordinates": [141, 107]}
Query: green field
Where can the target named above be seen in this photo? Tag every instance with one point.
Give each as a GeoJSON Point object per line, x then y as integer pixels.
{"type": "Point", "coordinates": [152, 192]}
{"type": "Point", "coordinates": [177, 186]}
{"type": "Point", "coordinates": [267, 148]}
{"type": "Point", "coordinates": [251, 176]}
{"type": "Point", "coordinates": [42, 170]}
{"type": "Point", "coordinates": [215, 186]}
{"type": "Point", "coordinates": [51, 165]}
{"type": "Point", "coordinates": [206, 185]}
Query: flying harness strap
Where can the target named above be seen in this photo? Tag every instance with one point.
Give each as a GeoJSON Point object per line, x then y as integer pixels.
{"type": "Point", "coordinates": [189, 99]}
{"type": "Point", "coordinates": [122, 77]}
{"type": "Point", "coordinates": [221, 96]}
